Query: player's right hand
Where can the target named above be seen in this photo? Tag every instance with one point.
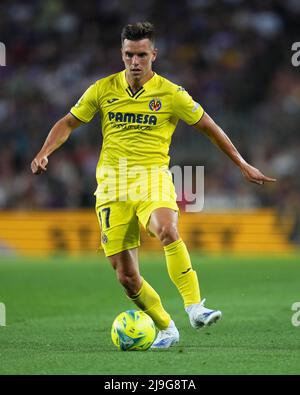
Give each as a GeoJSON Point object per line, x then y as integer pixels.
{"type": "Point", "coordinates": [39, 165]}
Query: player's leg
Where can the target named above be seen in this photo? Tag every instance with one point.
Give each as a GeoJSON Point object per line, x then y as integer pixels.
{"type": "Point", "coordinates": [159, 215]}
{"type": "Point", "coordinates": [120, 237]}
{"type": "Point", "coordinates": [163, 223]}
{"type": "Point", "coordinates": [125, 263]}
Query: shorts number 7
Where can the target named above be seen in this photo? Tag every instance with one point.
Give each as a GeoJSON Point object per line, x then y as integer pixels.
{"type": "Point", "coordinates": [107, 214]}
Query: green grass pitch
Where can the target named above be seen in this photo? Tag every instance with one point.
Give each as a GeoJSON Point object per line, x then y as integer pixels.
{"type": "Point", "coordinates": [59, 313]}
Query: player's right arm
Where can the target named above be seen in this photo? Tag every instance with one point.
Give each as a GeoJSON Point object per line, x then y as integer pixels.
{"type": "Point", "coordinates": [56, 137]}
{"type": "Point", "coordinates": [83, 112]}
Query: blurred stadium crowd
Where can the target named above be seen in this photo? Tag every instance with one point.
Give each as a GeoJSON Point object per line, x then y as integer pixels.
{"type": "Point", "coordinates": [233, 56]}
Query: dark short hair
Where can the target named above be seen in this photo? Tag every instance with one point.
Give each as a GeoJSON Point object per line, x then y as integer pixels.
{"type": "Point", "coordinates": [138, 31]}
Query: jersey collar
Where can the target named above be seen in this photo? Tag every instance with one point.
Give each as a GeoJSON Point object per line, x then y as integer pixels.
{"type": "Point", "coordinates": [143, 89]}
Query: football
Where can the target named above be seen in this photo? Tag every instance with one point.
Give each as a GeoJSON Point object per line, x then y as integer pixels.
{"type": "Point", "coordinates": [133, 330]}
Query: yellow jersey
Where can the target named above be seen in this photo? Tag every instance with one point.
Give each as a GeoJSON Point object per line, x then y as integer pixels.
{"type": "Point", "coordinates": [136, 126]}
{"type": "Point", "coordinates": [137, 129]}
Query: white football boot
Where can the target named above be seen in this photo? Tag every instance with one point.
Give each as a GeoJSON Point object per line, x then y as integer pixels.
{"type": "Point", "coordinates": [200, 316]}
{"type": "Point", "coordinates": [166, 337]}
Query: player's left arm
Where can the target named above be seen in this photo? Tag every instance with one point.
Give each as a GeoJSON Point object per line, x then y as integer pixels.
{"type": "Point", "coordinates": [213, 131]}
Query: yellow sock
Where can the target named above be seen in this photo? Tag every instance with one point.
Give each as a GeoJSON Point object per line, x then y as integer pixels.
{"type": "Point", "coordinates": [181, 272]}
{"type": "Point", "coordinates": [148, 300]}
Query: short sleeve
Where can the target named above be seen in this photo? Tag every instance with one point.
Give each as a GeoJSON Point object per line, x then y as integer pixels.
{"type": "Point", "coordinates": [185, 108]}
{"type": "Point", "coordinates": [87, 106]}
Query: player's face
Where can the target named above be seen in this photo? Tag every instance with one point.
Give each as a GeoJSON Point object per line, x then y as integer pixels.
{"type": "Point", "coordinates": [138, 57]}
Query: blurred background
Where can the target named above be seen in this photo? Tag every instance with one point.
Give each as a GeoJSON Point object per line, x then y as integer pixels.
{"type": "Point", "coordinates": [233, 56]}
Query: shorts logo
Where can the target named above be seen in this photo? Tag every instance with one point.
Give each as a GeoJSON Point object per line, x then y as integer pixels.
{"type": "Point", "coordinates": [155, 105]}
{"type": "Point", "coordinates": [104, 238]}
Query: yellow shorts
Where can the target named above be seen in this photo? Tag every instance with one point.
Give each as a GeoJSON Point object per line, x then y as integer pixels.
{"type": "Point", "coordinates": [119, 220]}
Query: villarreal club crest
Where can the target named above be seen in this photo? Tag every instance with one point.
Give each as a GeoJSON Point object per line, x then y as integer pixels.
{"type": "Point", "coordinates": [155, 105]}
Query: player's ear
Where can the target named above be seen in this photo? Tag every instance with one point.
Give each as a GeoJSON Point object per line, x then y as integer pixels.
{"type": "Point", "coordinates": [122, 54]}
{"type": "Point", "coordinates": [154, 54]}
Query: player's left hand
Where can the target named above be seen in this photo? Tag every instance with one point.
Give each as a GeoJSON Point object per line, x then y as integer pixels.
{"type": "Point", "coordinates": [254, 175]}
{"type": "Point", "coordinates": [39, 164]}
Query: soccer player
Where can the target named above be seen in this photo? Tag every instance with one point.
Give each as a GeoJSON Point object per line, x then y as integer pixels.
{"type": "Point", "coordinates": [139, 111]}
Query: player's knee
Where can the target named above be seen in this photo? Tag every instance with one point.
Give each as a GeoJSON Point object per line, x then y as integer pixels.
{"type": "Point", "coordinates": [168, 233]}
